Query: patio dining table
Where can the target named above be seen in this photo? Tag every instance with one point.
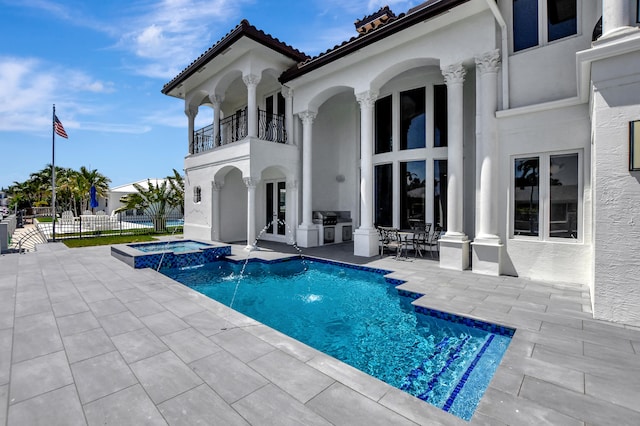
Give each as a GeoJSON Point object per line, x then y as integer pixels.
{"type": "Point", "coordinates": [406, 237]}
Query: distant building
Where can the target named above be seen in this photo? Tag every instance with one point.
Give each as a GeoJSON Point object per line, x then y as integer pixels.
{"type": "Point", "coordinates": [508, 123]}
{"type": "Point", "coordinates": [112, 200]}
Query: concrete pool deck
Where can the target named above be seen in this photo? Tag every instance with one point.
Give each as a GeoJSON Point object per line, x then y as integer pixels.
{"type": "Point", "coordinates": [86, 339]}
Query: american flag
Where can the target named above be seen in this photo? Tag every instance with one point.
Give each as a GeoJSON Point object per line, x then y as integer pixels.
{"type": "Point", "coordinates": [58, 128]}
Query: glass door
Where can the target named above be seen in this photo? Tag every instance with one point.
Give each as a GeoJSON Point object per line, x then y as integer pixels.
{"type": "Point", "coordinates": [276, 208]}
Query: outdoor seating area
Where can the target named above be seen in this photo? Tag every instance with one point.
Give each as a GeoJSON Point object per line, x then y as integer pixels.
{"type": "Point", "coordinates": [420, 239]}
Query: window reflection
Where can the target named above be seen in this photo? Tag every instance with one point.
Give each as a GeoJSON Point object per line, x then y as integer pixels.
{"type": "Point", "coordinates": [412, 194]}
{"type": "Point", "coordinates": [563, 196]}
{"type": "Point", "coordinates": [440, 193]}
{"type": "Point", "coordinates": [412, 119]}
{"type": "Point", "coordinates": [383, 125]}
{"type": "Point", "coordinates": [440, 134]}
{"type": "Point", "coordinates": [384, 195]}
{"type": "Point", "coordinates": [526, 196]}
{"type": "Point", "coordinates": [525, 24]}
{"type": "Point", "coordinates": [562, 18]}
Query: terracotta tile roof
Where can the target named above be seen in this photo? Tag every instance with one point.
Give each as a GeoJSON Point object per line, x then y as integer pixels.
{"type": "Point", "coordinates": [244, 29]}
{"type": "Point", "coordinates": [375, 20]}
{"type": "Point", "coordinates": [415, 15]}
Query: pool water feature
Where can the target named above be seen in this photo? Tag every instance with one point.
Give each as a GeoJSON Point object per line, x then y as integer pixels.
{"type": "Point", "coordinates": [357, 316]}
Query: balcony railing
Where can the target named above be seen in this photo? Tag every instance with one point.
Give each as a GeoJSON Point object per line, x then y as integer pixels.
{"type": "Point", "coordinates": [235, 128]}
{"type": "Point", "coordinates": [271, 127]}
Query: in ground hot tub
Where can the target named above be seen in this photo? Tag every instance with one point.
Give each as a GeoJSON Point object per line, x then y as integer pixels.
{"type": "Point", "coordinates": [169, 254]}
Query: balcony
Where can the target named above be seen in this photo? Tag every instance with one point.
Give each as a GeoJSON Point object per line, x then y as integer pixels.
{"type": "Point", "coordinates": [235, 128]}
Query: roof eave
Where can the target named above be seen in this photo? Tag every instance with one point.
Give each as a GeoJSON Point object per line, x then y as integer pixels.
{"type": "Point", "coordinates": [243, 30]}
{"type": "Point", "coordinates": [394, 27]}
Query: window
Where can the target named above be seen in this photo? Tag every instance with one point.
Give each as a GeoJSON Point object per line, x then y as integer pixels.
{"type": "Point", "coordinates": [526, 196]}
{"type": "Point", "coordinates": [562, 19]}
{"type": "Point", "coordinates": [384, 195]}
{"type": "Point", "coordinates": [563, 196]}
{"type": "Point", "coordinates": [412, 192]}
{"type": "Point", "coordinates": [440, 115]}
{"type": "Point", "coordinates": [440, 193]}
{"type": "Point", "coordinates": [384, 141]}
{"type": "Point", "coordinates": [412, 119]}
{"type": "Point", "coordinates": [197, 194]}
{"type": "Point", "coordinates": [525, 24]}
{"type": "Point", "coordinates": [546, 196]}
{"type": "Point", "coordinates": [536, 22]}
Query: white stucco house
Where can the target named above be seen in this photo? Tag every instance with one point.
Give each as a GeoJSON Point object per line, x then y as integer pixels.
{"type": "Point", "coordinates": [509, 123]}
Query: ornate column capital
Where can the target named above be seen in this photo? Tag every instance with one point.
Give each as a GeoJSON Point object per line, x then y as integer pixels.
{"type": "Point", "coordinates": [191, 111]}
{"type": "Point", "coordinates": [454, 74]}
{"type": "Point", "coordinates": [251, 182]}
{"type": "Point", "coordinates": [251, 79]}
{"type": "Point", "coordinates": [216, 100]}
{"type": "Point", "coordinates": [488, 62]}
{"type": "Point", "coordinates": [217, 185]}
{"type": "Point", "coordinates": [287, 92]}
{"type": "Point", "coordinates": [307, 116]}
{"type": "Point", "coordinates": [367, 99]}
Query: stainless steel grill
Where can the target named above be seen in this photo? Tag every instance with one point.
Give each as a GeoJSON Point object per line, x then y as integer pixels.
{"type": "Point", "coordinates": [324, 217]}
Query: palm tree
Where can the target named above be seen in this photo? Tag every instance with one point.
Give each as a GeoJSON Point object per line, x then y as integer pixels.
{"type": "Point", "coordinates": [153, 200]}
{"type": "Point", "coordinates": [176, 183]}
{"type": "Point", "coordinates": [85, 179]}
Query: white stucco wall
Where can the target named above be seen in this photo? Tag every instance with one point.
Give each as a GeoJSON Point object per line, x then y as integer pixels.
{"type": "Point", "coordinates": [197, 216]}
{"type": "Point", "coordinates": [233, 208]}
{"type": "Point", "coordinates": [547, 72]}
{"type": "Point", "coordinates": [616, 190]}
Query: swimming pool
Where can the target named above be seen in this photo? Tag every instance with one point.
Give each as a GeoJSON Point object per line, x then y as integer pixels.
{"type": "Point", "coordinates": [357, 316]}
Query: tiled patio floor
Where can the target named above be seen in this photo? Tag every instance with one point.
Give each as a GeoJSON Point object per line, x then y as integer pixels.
{"type": "Point", "coordinates": [85, 339]}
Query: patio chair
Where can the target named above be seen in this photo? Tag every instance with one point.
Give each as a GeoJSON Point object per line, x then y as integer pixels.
{"type": "Point", "coordinates": [420, 241]}
{"type": "Point", "coordinates": [67, 218]}
{"type": "Point", "coordinates": [429, 242]}
{"type": "Point", "coordinates": [389, 239]}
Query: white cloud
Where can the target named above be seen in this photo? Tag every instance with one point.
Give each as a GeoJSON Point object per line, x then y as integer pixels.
{"type": "Point", "coordinates": [29, 87]}
{"type": "Point", "coordinates": [169, 35]}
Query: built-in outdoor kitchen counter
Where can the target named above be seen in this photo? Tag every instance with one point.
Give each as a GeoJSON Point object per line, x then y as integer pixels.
{"type": "Point", "coordinates": [335, 226]}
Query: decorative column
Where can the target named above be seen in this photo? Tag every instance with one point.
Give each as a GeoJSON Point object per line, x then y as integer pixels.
{"type": "Point", "coordinates": [216, 186]}
{"type": "Point", "coordinates": [454, 246]}
{"type": "Point", "coordinates": [615, 16]}
{"type": "Point", "coordinates": [252, 80]}
{"type": "Point", "coordinates": [365, 242]}
{"type": "Point", "coordinates": [291, 215]}
{"type": "Point", "coordinates": [307, 232]}
{"type": "Point", "coordinates": [251, 212]}
{"type": "Point", "coordinates": [287, 93]}
{"type": "Point", "coordinates": [191, 113]}
{"type": "Point", "coordinates": [216, 101]}
{"type": "Point", "coordinates": [487, 248]}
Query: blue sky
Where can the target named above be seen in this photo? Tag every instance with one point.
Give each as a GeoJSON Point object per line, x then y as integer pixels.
{"type": "Point", "coordinates": [103, 64]}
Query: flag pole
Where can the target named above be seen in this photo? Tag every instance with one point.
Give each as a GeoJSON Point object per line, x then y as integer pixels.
{"type": "Point", "coordinates": [53, 171]}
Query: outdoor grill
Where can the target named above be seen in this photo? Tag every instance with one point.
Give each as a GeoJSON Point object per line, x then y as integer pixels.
{"type": "Point", "coordinates": [323, 217]}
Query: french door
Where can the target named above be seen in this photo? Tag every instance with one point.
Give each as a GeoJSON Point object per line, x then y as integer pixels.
{"type": "Point", "coordinates": [276, 208]}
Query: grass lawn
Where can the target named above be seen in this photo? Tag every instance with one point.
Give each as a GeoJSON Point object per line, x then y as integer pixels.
{"type": "Point", "coordinates": [108, 240]}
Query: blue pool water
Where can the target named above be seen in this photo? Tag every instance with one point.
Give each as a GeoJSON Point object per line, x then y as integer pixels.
{"type": "Point", "coordinates": [173, 246]}
{"type": "Point", "coordinates": [359, 317]}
